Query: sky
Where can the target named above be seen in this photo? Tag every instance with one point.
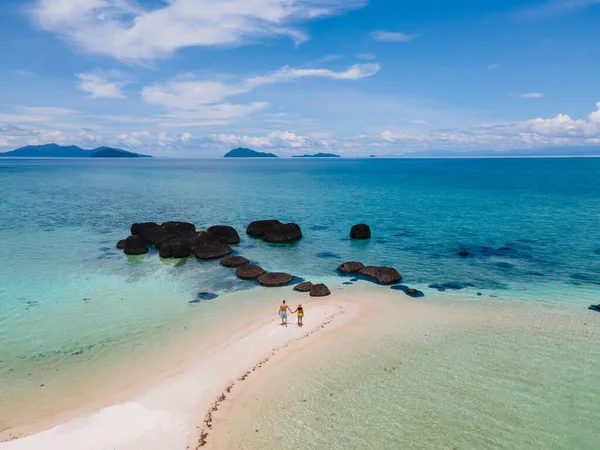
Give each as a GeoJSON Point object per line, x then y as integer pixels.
{"type": "Point", "coordinates": [196, 78]}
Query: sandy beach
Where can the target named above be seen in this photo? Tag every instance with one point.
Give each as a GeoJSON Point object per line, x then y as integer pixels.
{"type": "Point", "coordinates": [170, 413]}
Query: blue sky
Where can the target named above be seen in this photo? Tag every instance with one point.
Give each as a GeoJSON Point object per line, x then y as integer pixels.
{"type": "Point", "coordinates": [196, 78]}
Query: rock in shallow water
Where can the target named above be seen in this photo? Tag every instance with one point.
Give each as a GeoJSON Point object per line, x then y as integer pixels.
{"type": "Point", "coordinates": [304, 287]}
{"type": "Point", "coordinates": [319, 290]}
{"type": "Point", "coordinates": [283, 232]}
{"type": "Point", "coordinates": [233, 261]}
{"type": "Point", "coordinates": [384, 275]}
{"type": "Point", "coordinates": [351, 267]}
{"type": "Point", "coordinates": [177, 247]}
{"type": "Point", "coordinates": [273, 279]}
{"type": "Point", "coordinates": [258, 227]}
{"type": "Point", "coordinates": [135, 245]}
{"type": "Point", "coordinates": [226, 234]}
{"type": "Point", "coordinates": [207, 246]}
{"type": "Point", "coordinates": [249, 272]}
{"type": "Point", "coordinates": [360, 231]}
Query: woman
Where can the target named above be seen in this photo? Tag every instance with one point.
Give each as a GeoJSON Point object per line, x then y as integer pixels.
{"type": "Point", "coordinates": [300, 312]}
{"type": "Point", "coordinates": [283, 309]}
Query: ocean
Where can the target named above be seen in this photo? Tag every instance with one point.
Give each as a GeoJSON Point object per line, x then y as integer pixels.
{"type": "Point", "coordinates": [71, 303]}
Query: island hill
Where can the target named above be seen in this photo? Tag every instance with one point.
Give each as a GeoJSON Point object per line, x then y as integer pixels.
{"type": "Point", "coordinates": [248, 153]}
{"type": "Point", "coordinates": [71, 151]}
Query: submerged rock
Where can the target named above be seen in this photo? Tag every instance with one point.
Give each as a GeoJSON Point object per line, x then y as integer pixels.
{"type": "Point", "coordinates": [135, 245]}
{"type": "Point", "coordinates": [463, 253]}
{"type": "Point", "coordinates": [258, 227]}
{"type": "Point", "coordinates": [249, 272]}
{"type": "Point", "coordinates": [234, 261]}
{"type": "Point", "coordinates": [273, 279]}
{"type": "Point", "coordinates": [360, 231]}
{"type": "Point", "coordinates": [351, 267]}
{"type": "Point", "coordinates": [207, 246]}
{"type": "Point", "coordinates": [283, 232]}
{"type": "Point", "coordinates": [384, 275]}
{"type": "Point", "coordinates": [411, 292]}
{"type": "Point", "coordinates": [304, 287]}
{"type": "Point", "coordinates": [226, 234]}
{"type": "Point", "coordinates": [320, 290]}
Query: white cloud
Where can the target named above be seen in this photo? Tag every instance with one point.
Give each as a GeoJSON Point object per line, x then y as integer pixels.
{"type": "Point", "coordinates": [492, 66]}
{"type": "Point", "coordinates": [392, 36]}
{"type": "Point", "coordinates": [419, 122]}
{"type": "Point", "coordinates": [285, 74]}
{"type": "Point", "coordinates": [558, 131]}
{"type": "Point", "coordinates": [97, 84]}
{"type": "Point", "coordinates": [192, 101]}
{"type": "Point", "coordinates": [125, 30]}
{"type": "Point", "coordinates": [531, 95]}
{"type": "Point", "coordinates": [34, 114]}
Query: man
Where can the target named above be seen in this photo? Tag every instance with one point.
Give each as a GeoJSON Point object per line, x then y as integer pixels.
{"type": "Point", "coordinates": [283, 310]}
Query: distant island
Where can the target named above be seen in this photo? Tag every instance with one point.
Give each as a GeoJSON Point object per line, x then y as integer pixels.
{"type": "Point", "coordinates": [318, 155]}
{"type": "Point", "coordinates": [71, 151]}
{"type": "Point", "coordinates": [247, 153]}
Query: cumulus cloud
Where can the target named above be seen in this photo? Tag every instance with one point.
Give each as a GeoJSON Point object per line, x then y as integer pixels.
{"type": "Point", "coordinates": [101, 84]}
{"type": "Point", "coordinates": [125, 30]}
{"type": "Point", "coordinates": [392, 36]}
{"type": "Point", "coordinates": [559, 131]}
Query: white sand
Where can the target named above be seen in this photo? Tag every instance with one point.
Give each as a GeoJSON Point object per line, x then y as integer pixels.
{"type": "Point", "coordinates": [170, 414]}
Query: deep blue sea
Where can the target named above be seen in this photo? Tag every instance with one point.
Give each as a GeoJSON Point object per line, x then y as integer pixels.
{"type": "Point", "coordinates": [532, 227]}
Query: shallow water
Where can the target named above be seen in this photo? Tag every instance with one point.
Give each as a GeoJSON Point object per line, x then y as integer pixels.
{"type": "Point", "coordinates": [67, 295]}
{"type": "Point", "coordinates": [519, 379]}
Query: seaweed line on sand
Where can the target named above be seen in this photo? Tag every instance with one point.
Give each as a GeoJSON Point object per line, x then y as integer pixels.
{"type": "Point", "coordinates": [208, 419]}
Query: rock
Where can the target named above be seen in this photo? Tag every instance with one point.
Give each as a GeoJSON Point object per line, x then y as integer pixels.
{"type": "Point", "coordinates": [226, 234]}
{"type": "Point", "coordinates": [384, 275]}
{"type": "Point", "coordinates": [121, 244]}
{"type": "Point", "coordinates": [177, 247]}
{"type": "Point", "coordinates": [411, 291]}
{"type": "Point", "coordinates": [360, 231]}
{"type": "Point", "coordinates": [249, 272]}
{"type": "Point", "coordinates": [171, 230]}
{"type": "Point", "coordinates": [234, 261]}
{"type": "Point", "coordinates": [135, 245]}
{"type": "Point", "coordinates": [258, 228]}
{"type": "Point", "coordinates": [463, 253]}
{"type": "Point", "coordinates": [319, 290]}
{"type": "Point", "coordinates": [273, 279]}
{"type": "Point", "coordinates": [304, 287]}
{"type": "Point", "coordinates": [207, 246]}
{"type": "Point", "coordinates": [283, 232]}
{"type": "Point", "coordinates": [351, 267]}
{"type": "Point", "coordinates": [146, 230]}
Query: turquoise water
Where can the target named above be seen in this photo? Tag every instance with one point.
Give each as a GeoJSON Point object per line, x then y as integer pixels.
{"type": "Point", "coordinates": [532, 226]}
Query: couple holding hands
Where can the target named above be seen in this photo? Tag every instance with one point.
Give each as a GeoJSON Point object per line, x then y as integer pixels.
{"type": "Point", "coordinates": [283, 310]}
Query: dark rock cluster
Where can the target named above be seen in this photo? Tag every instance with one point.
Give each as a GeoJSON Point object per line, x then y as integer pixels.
{"type": "Point", "coordinates": [274, 231]}
{"type": "Point", "coordinates": [180, 240]}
